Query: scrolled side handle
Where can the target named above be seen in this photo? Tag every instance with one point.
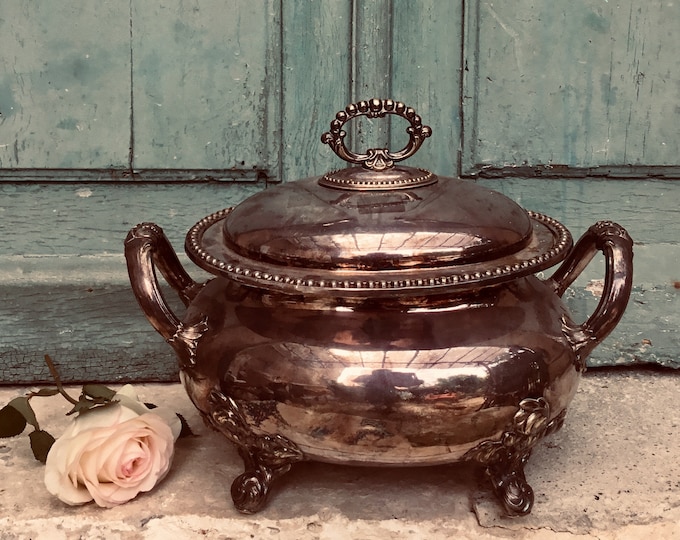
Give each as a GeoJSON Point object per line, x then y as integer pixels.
{"type": "Point", "coordinates": [147, 248]}
{"type": "Point", "coordinates": [617, 246]}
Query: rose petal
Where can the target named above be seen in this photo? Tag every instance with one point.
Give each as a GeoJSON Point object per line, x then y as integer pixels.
{"type": "Point", "coordinates": [109, 454]}
{"type": "Point", "coordinates": [127, 396]}
{"type": "Point", "coordinates": [171, 419]}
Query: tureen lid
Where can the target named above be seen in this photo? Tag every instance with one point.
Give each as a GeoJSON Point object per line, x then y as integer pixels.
{"type": "Point", "coordinates": [376, 227]}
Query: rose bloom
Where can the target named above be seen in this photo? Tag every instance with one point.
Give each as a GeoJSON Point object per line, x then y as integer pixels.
{"type": "Point", "coordinates": [112, 453]}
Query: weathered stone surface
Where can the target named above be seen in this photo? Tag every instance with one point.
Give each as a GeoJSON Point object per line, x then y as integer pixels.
{"type": "Point", "coordinates": [611, 473]}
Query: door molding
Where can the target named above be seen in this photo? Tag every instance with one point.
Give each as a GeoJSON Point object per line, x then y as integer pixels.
{"type": "Point", "coordinates": [572, 89]}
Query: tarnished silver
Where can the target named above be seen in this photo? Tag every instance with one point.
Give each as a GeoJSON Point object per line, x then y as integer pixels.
{"type": "Point", "coordinates": [376, 159]}
{"type": "Point", "coordinates": [380, 315]}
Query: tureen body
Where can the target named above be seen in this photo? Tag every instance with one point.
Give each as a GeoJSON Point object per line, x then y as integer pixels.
{"type": "Point", "coordinates": [380, 315]}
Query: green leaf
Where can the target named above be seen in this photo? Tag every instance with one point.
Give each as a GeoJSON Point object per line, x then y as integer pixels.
{"type": "Point", "coordinates": [12, 422]}
{"type": "Point", "coordinates": [22, 405]}
{"type": "Point", "coordinates": [98, 391]}
{"type": "Point", "coordinates": [86, 404]}
{"type": "Point", "coordinates": [41, 442]}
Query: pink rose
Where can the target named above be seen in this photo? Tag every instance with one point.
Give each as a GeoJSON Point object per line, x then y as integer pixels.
{"type": "Point", "coordinates": [112, 453]}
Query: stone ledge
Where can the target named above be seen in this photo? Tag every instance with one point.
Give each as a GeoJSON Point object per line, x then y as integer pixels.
{"type": "Point", "coordinates": [611, 473]}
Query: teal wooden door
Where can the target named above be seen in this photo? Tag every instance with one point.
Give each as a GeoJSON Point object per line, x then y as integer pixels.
{"type": "Point", "coordinates": [166, 111]}
{"type": "Point", "coordinates": [572, 109]}
{"type": "Point", "coordinates": [211, 89]}
{"type": "Point", "coordinates": [572, 87]}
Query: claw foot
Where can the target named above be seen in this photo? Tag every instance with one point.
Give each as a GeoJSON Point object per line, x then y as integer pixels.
{"type": "Point", "coordinates": [513, 490]}
{"type": "Point", "coordinates": [504, 460]}
{"type": "Point", "coordinates": [265, 457]}
{"type": "Point", "coordinates": [250, 490]}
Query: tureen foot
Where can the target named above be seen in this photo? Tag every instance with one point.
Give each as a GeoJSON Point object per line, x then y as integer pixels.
{"type": "Point", "coordinates": [250, 490]}
{"type": "Point", "coordinates": [511, 486]}
{"type": "Point", "coordinates": [504, 460]}
{"type": "Point", "coordinates": [265, 457]}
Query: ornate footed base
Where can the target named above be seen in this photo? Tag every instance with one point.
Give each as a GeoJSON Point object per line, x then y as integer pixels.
{"type": "Point", "coordinates": [265, 457]}
{"type": "Point", "coordinates": [504, 460]}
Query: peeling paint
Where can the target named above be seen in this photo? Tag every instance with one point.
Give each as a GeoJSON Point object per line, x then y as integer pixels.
{"type": "Point", "coordinates": [595, 287]}
{"type": "Point", "coordinates": [592, 72]}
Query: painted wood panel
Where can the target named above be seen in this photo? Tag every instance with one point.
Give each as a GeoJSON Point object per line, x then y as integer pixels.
{"type": "Point", "coordinates": [650, 211]}
{"type": "Point", "coordinates": [579, 83]}
{"type": "Point", "coordinates": [316, 72]}
{"type": "Point", "coordinates": [205, 80]}
{"type": "Point", "coordinates": [352, 51]}
{"type": "Point", "coordinates": [64, 84]}
{"type": "Point", "coordinates": [372, 47]}
{"type": "Point", "coordinates": [426, 73]}
{"type": "Point", "coordinates": [63, 283]}
{"type": "Point", "coordinates": [64, 288]}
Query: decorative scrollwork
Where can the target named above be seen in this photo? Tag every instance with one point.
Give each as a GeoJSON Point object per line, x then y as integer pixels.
{"type": "Point", "coordinates": [504, 459]}
{"type": "Point", "coordinates": [266, 457]}
{"type": "Point", "coordinates": [605, 230]}
{"type": "Point", "coordinates": [187, 337]}
{"type": "Point", "coordinates": [376, 159]}
{"type": "Point", "coordinates": [250, 490]}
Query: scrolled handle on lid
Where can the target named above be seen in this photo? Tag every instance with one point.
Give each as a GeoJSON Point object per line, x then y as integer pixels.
{"type": "Point", "coordinates": [376, 159]}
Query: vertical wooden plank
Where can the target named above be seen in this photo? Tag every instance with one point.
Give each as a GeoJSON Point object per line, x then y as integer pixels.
{"type": "Point", "coordinates": [371, 69]}
{"type": "Point", "coordinates": [582, 83]}
{"type": "Point", "coordinates": [64, 288]}
{"type": "Point", "coordinates": [316, 82]}
{"type": "Point", "coordinates": [426, 74]}
{"type": "Point", "coordinates": [202, 78]}
{"type": "Point", "coordinates": [64, 84]}
{"type": "Point", "coordinates": [410, 51]}
{"type": "Point", "coordinates": [274, 89]}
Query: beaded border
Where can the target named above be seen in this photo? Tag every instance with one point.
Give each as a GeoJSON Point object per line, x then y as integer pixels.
{"type": "Point", "coordinates": [245, 270]}
{"type": "Point", "coordinates": [331, 180]}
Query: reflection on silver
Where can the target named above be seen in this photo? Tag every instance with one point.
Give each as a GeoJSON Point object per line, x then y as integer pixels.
{"type": "Point", "coordinates": [380, 315]}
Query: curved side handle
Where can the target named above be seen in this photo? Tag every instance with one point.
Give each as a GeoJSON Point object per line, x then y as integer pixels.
{"type": "Point", "coordinates": [617, 246]}
{"type": "Point", "coordinates": [147, 247]}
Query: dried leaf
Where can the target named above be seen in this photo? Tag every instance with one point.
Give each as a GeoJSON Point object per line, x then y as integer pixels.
{"type": "Point", "coordinates": [12, 422]}
{"type": "Point", "coordinates": [86, 404]}
{"type": "Point", "coordinates": [41, 442]}
{"type": "Point", "coordinates": [83, 405]}
{"type": "Point", "coordinates": [22, 405]}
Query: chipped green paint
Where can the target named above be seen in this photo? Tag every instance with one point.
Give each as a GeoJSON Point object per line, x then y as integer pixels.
{"type": "Point", "coordinates": [582, 83]}
{"type": "Point", "coordinates": [64, 85]}
{"type": "Point", "coordinates": [202, 82]}
{"type": "Point", "coordinates": [198, 91]}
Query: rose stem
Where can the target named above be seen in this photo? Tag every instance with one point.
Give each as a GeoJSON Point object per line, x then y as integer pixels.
{"type": "Point", "coordinates": [57, 380]}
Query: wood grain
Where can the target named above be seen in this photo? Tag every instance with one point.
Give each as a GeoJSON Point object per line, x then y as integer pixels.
{"type": "Point", "coordinates": [426, 74]}
{"type": "Point", "coordinates": [64, 84]}
{"type": "Point", "coordinates": [580, 83]}
{"type": "Point", "coordinates": [243, 90]}
{"type": "Point", "coordinates": [316, 45]}
{"type": "Point", "coordinates": [201, 84]}
{"type": "Point", "coordinates": [650, 211]}
{"type": "Point", "coordinates": [64, 289]}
